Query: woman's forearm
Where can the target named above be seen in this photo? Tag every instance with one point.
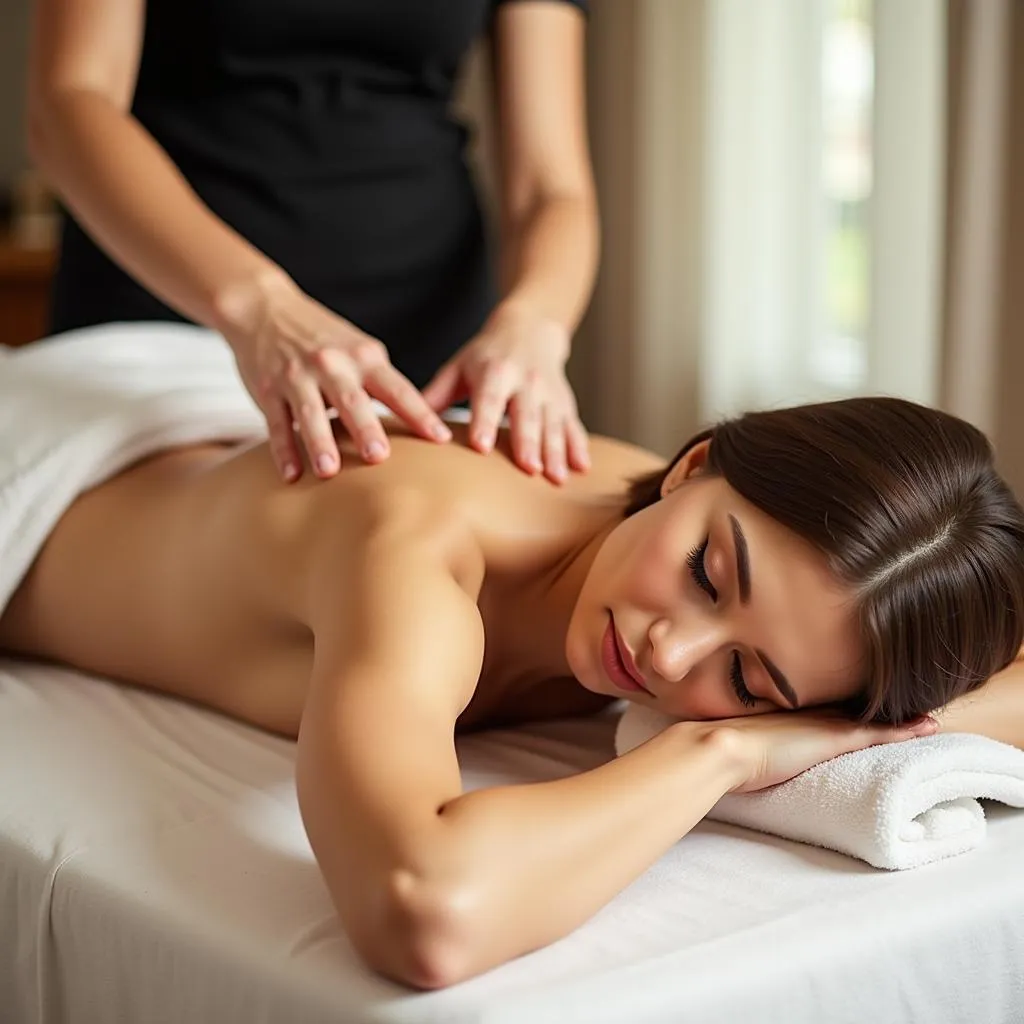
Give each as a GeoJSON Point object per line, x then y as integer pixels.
{"type": "Point", "coordinates": [542, 859]}
{"type": "Point", "coordinates": [129, 195]}
{"type": "Point", "coordinates": [549, 257]}
{"type": "Point", "coordinates": [995, 710]}
{"type": "Point", "coordinates": [517, 867]}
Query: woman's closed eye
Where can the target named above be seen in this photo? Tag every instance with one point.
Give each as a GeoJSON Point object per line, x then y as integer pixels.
{"type": "Point", "coordinates": [695, 562]}
{"type": "Point", "coordinates": [739, 684]}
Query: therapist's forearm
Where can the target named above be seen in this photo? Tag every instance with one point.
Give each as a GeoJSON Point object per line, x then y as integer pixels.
{"type": "Point", "coordinates": [995, 710]}
{"type": "Point", "coordinates": [549, 258]}
{"type": "Point", "coordinates": [125, 190]}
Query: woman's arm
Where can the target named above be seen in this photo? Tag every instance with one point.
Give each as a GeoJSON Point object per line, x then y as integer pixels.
{"type": "Point", "coordinates": [432, 885]}
{"type": "Point", "coordinates": [435, 885]}
{"type": "Point", "coordinates": [995, 710]}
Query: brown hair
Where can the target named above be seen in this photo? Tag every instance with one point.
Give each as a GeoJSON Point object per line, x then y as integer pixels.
{"type": "Point", "coordinates": [906, 505]}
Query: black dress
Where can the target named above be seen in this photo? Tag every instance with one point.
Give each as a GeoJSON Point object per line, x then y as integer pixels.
{"type": "Point", "coordinates": [319, 130]}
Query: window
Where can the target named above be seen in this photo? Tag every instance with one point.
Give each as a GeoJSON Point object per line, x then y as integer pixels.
{"type": "Point", "coordinates": [837, 358]}
{"type": "Point", "coordinates": [823, 201]}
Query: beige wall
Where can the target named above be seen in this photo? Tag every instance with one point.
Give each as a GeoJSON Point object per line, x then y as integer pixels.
{"type": "Point", "coordinates": [1010, 395]}
{"type": "Point", "coordinates": [635, 359]}
{"type": "Point", "coordinates": [984, 365]}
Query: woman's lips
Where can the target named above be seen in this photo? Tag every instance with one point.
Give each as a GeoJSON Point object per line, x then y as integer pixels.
{"type": "Point", "coordinates": [617, 662]}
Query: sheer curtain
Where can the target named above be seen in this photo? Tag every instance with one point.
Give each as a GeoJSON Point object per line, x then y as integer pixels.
{"type": "Point", "coordinates": [823, 201]}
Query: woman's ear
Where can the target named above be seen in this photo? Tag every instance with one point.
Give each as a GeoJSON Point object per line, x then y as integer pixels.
{"type": "Point", "coordinates": [690, 464]}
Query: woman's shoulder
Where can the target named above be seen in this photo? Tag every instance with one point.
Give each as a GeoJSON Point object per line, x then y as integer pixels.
{"type": "Point", "coordinates": [622, 460]}
{"type": "Point", "coordinates": [439, 480]}
{"type": "Point", "coordinates": [387, 534]}
{"type": "Point", "coordinates": [413, 502]}
{"type": "Point", "coordinates": [449, 493]}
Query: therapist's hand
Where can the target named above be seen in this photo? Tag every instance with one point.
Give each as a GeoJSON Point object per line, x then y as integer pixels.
{"type": "Point", "coordinates": [517, 364]}
{"type": "Point", "coordinates": [297, 359]}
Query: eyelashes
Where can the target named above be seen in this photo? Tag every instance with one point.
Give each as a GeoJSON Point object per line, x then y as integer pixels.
{"type": "Point", "coordinates": [695, 564]}
{"type": "Point", "coordinates": [739, 685]}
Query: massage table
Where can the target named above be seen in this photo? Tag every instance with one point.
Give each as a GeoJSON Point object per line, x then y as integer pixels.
{"type": "Point", "coordinates": [153, 868]}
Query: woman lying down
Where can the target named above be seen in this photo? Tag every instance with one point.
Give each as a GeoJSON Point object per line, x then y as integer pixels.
{"type": "Point", "coordinates": [792, 586]}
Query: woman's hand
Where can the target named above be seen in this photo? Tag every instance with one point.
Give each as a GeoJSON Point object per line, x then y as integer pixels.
{"type": "Point", "coordinates": [297, 358]}
{"type": "Point", "coordinates": [517, 362]}
{"type": "Point", "coordinates": [778, 746]}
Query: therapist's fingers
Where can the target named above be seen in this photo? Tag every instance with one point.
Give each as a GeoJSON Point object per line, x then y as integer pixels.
{"type": "Point", "coordinates": [284, 449]}
{"type": "Point", "coordinates": [554, 448]}
{"type": "Point", "coordinates": [307, 404]}
{"type": "Point", "coordinates": [399, 394]}
{"type": "Point", "coordinates": [525, 420]}
{"type": "Point", "coordinates": [489, 399]}
{"type": "Point", "coordinates": [341, 373]}
{"type": "Point", "coordinates": [356, 412]}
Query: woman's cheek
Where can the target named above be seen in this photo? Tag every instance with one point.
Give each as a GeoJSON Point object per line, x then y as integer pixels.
{"type": "Point", "coordinates": [660, 572]}
{"type": "Point", "coordinates": [701, 701]}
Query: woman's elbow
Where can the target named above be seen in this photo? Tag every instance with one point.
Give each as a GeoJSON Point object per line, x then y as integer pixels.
{"type": "Point", "coordinates": [424, 935]}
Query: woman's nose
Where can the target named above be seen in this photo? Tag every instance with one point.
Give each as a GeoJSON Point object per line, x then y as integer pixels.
{"type": "Point", "coordinates": [677, 648]}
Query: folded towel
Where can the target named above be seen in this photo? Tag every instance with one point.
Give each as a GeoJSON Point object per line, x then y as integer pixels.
{"type": "Point", "coordinates": [897, 805]}
{"type": "Point", "coordinates": [78, 408]}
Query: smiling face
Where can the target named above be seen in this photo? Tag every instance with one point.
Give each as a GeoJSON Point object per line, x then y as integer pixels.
{"type": "Point", "coordinates": [712, 607]}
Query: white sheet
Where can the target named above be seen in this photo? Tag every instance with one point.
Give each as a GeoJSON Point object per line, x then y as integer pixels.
{"type": "Point", "coordinates": [153, 869]}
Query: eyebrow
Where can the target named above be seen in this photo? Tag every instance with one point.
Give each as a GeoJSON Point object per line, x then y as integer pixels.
{"type": "Point", "coordinates": [742, 559]}
{"type": "Point", "coordinates": [782, 684]}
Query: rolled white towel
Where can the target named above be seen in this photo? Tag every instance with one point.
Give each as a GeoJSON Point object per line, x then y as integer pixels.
{"type": "Point", "coordinates": [897, 805]}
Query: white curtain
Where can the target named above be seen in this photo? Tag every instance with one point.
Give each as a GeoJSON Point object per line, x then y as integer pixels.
{"type": "Point", "coordinates": [768, 335]}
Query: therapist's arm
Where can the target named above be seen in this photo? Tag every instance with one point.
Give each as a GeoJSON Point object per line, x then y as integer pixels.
{"type": "Point", "coordinates": [120, 184]}
{"type": "Point", "coordinates": [128, 194]}
{"type": "Point", "coordinates": [549, 226]}
{"type": "Point", "coordinates": [549, 245]}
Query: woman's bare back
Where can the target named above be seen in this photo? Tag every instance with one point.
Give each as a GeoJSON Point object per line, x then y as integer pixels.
{"type": "Point", "coordinates": [157, 577]}
{"type": "Point", "coordinates": [188, 572]}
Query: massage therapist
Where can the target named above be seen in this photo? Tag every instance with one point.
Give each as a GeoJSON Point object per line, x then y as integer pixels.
{"type": "Point", "coordinates": [290, 175]}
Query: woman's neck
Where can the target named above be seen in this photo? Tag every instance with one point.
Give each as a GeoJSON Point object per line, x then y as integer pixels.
{"type": "Point", "coordinates": [534, 608]}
